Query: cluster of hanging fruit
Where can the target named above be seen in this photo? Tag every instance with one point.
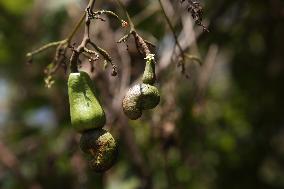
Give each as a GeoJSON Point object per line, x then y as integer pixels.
{"type": "Point", "coordinates": [88, 116]}
{"type": "Point", "coordinates": [142, 96]}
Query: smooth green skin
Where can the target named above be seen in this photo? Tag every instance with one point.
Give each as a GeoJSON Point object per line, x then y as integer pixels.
{"type": "Point", "coordinates": [100, 148]}
{"type": "Point", "coordinates": [138, 98]}
{"type": "Point", "coordinates": [85, 110]}
{"type": "Point", "coordinates": [149, 76]}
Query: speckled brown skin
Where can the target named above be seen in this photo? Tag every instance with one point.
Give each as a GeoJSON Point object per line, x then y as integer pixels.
{"type": "Point", "coordinates": [138, 98]}
{"type": "Point", "coordinates": [100, 148]}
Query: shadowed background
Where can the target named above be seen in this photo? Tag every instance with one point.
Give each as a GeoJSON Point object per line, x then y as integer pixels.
{"type": "Point", "coordinates": [220, 127]}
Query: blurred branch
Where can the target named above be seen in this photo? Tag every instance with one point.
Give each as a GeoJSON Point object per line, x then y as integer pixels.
{"type": "Point", "coordinates": [187, 39]}
{"type": "Point", "coordinates": [147, 12]}
{"type": "Point", "coordinates": [172, 29]}
{"type": "Point", "coordinates": [71, 35]}
{"type": "Point", "coordinates": [207, 68]}
{"type": "Point", "coordinates": [204, 78]}
{"type": "Point", "coordinates": [183, 55]}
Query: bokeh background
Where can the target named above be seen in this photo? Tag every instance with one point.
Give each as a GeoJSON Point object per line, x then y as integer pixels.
{"type": "Point", "coordinates": [219, 126]}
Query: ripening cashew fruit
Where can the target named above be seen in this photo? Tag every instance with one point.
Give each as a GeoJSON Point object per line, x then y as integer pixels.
{"type": "Point", "coordinates": [149, 76]}
{"type": "Point", "coordinates": [138, 98]}
{"type": "Point", "coordinates": [85, 110]}
{"type": "Point", "coordinates": [100, 148]}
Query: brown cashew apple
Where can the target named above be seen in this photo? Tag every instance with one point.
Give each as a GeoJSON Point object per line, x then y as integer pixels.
{"type": "Point", "coordinates": [138, 98]}
{"type": "Point", "coordinates": [100, 148]}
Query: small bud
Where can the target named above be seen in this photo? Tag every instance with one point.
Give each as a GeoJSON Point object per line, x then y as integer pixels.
{"type": "Point", "coordinates": [124, 24]}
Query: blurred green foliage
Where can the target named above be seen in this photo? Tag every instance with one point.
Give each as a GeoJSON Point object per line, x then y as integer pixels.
{"type": "Point", "coordinates": [233, 138]}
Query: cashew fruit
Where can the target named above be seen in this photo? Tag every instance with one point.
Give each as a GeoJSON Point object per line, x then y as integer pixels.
{"type": "Point", "coordinates": [100, 148]}
{"type": "Point", "coordinates": [138, 98]}
{"type": "Point", "coordinates": [85, 110]}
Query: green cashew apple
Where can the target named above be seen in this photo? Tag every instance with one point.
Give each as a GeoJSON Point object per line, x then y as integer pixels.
{"type": "Point", "coordinates": [138, 98]}
{"type": "Point", "coordinates": [149, 76]}
{"type": "Point", "coordinates": [100, 148]}
{"type": "Point", "coordinates": [85, 110]}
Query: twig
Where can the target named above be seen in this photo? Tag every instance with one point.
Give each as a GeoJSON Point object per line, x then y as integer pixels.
{"type": "Point", "coordinates": [141, 44]}
{"type": "Point", "coordinates": [183, 55]}
{"type": "Point", "coordinates": [86, 38]}
{"type": "Point", "coordinates": [45, 47]}
{"type": "Point", "coordinates": [76, 52]}
{"type": "Point", "coordinates": [56, 43]}
{"type": "Point", "coordinates": [172, 28]}
{"type": "Point", "coordinates": [71, 35]}
{"type": "Point", "coordinates": [106, 56]}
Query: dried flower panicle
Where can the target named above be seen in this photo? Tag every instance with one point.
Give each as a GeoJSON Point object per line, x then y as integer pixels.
{"type": "Point", "coordinates": [196, 10]}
